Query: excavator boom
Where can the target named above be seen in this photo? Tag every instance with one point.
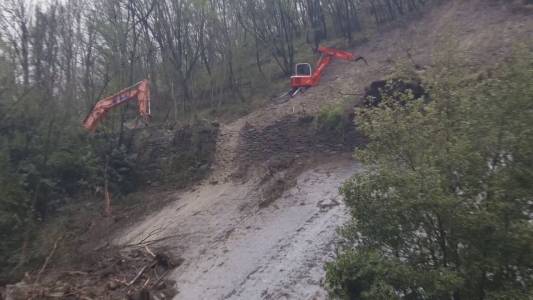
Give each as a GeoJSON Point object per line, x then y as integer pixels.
{"type": "Point", "coordinates": [338, 54]}
{"type": "Point", "coordinates": [139, 91]}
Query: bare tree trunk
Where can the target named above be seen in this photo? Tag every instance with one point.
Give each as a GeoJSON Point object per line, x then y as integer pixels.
{"type": "Point", "coordinates": [107, 195]}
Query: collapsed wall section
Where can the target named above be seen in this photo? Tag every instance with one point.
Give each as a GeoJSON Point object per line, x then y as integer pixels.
{"type": "Point", "coordinates": [295, 137]}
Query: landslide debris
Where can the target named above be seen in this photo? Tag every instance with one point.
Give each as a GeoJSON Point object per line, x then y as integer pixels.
{"type": "Point", "coordinates": [294, 137]}
{"type": "Point", "coordinates": [177, 156]}
{"type": "Point", "coordinates": [134, 273]}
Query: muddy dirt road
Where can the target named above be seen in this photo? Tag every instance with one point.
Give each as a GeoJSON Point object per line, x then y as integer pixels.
{"type": "Point", "coordinates": [235, 250]}
{"type": "Point", "coordinates": [278, 252]}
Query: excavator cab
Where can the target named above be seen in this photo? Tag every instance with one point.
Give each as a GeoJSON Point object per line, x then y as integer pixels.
{"type": "Point", "coordinates": [303, 78]}
{"type": "Point", "coordinates": [303, 69]}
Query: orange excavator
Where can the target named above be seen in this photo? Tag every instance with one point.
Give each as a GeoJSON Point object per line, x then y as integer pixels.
{"type": "Point", "coordinates": [139, 91]}
{"type": "Point", "coordinates": [305, 77]}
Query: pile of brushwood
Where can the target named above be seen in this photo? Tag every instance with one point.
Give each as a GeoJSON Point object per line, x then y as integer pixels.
{"type": "Point", "coordinates": [134, 272]}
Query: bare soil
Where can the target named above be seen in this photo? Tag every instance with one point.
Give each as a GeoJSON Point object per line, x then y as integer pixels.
{"type": "Point", "coordinates": [263, 223]}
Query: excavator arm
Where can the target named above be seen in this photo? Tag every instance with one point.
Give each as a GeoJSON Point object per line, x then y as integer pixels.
{"type": "Point", "coordinates": [338, 54]}
{"type": "Point", "coordinates": [140, 92]}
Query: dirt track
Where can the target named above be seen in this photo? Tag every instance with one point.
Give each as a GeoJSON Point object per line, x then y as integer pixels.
{"type": "Point", "coordinates": [236, 249]}
{"type": "Point", "coordinates": [276, 252]}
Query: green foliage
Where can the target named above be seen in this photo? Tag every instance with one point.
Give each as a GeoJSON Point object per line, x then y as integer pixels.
{"type": "Point", "coordinates": [35, 179]}
{"type": "Point", "coordinates": [367, 274]}
{"type": "Point", "coordinates": [44, 165]}
{"type": "Point", "coordinates": [444, 208]}
{"type": "Point", "coordinates": [15, 210]}
{"type": "Point", "coordinates": [195, 149]}
{"type": "Point", "coordinates": [332, 118]}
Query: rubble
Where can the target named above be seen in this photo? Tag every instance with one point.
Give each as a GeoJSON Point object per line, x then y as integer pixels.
{"type": "Point", "coordinates": [112, 273]}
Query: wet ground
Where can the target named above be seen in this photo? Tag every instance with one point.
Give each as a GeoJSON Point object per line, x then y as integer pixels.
{"type": "Point", "coordinates": [279, 252]}
{"type": "Point", "coordinates": [235, 250]}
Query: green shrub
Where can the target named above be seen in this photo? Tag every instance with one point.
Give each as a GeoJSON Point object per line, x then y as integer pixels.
{"type": "Point", "coordinates": [332, 118]}
{"type": "Point", "coordinates": [443, 210]}
{"type": "Point", "coordinates": [192, 154]}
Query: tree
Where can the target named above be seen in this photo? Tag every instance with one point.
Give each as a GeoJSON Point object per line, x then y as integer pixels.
{"type": "Point", "coordinates": [345, 19]}
{"type": "Point", "coordinates": [444, 209]}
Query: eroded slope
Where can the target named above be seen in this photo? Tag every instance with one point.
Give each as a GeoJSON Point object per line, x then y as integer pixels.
{"type": "Point", "coordinates": [235, 244]}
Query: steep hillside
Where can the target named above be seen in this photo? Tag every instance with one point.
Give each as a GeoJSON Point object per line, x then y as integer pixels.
{"type": "Point", "coordinates": [233, 244]}
{"type": "Point", "coordinates": [263, 223]}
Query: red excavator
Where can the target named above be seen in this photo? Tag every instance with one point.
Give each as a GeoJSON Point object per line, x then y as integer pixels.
{"type": "Point", "coordinates": [140, 92]}
{"type": "Point", "coordinates": [305, 78]}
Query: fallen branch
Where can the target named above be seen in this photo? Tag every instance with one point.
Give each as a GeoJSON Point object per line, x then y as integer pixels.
{"type": "Point", "coordinates": [161, 239]}
{"type": "Point", "coordinates": [156, 274]}
{"type": "Point", "coordinates": [162, 277]}
{"type": "Point", "coordinates": [120, 281]}
{"type": "Point", "coordinates": [146, 242]}
{"type": "Point", "coordinates": [79, 273]}
{"type": "Point", "coordinates": [141, 271]}
{"type": "Point", "coordinates": [152, 233]}
{"type": "Point", "coordinates": [149, 251]}
{"type": "Point", "coordinates": [146, 283]}
{"type": "Point", "coordinates": [137, 276]}
{"type": "Point", "coordinates": [47, 260]}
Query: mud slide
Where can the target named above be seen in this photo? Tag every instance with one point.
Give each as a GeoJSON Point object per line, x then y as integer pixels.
{"type": "Point", "coordinates": [277, 252]}
{"type": "Point", "coordinates": [263, 224]}
{"type": "Point", "coordinates": [233, 249]}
